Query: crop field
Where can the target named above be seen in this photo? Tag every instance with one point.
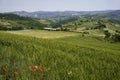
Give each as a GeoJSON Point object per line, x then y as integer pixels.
{"type": "Point", "coordinates": [44, 34]}
{"type": "Point", "coordinates": [74, 57]}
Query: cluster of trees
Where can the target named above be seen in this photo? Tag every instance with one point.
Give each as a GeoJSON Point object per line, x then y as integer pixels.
{"type": "Point", "coordinates": [60, 22]}
{"type": "Point", "coordinates": [13, 17]}
{"type": "Point", "coordinates": [100, 26]}
{"type": "Point", "coordinates": [116, 36]}
{"type": "Point", "coordinates": [11, 27]}
{"type": "Point", "coordinates": [112, 37]}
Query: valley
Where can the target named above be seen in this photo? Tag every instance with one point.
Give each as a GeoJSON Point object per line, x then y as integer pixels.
{"type": "Point", "coordinates": [63, 46]}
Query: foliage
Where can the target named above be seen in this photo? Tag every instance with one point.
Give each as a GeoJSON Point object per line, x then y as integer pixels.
{"type": "Point", "coordinates": [116, 36]}
{"type": "Point", "coordinates": [107, 34]}
{"type": "Point", "coordinates": [60, 22]}
{"type": "Point", "coordinates": [15, 22]}
{"type": "Point", "coordinates": [70, 58]}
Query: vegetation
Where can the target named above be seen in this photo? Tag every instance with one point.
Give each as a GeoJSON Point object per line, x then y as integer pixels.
{"type": "Point", "coordinates": [107, 34]}
{"type": "Point", "coordinates": [112, 37]}
{"type": "Point", "coordinates": [113, 17]}
{"type": "Point", "coordinates": [44, 34]}
{"type": "Point", "coordinates": [15, 22]}
{"type": "Point", "coordinates": [70, 58]}
{"type": "Point", "coordinates": [89, 51]}
{"type": "Point", "coordinates": [66, 23]}
{"type": "Point", "coordinates": [116, 37]}
{"type": "Point", "coordinates": [84, 23]}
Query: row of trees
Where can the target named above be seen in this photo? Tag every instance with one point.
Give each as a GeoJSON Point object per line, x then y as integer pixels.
{"type": "Point", "coordinates": [11, 28]}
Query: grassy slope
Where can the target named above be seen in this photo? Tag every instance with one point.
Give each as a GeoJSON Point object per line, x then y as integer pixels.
{"type": "Point", "coordinates": [72, 58]}
{"type": "Point", "coordinates": [89, 23]}
{"type": "Point", "coordinates": [15, 22]}
{"type": "Point", "coordinates": [44, 34]}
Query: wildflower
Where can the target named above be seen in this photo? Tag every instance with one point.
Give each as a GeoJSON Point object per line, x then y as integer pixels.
{"type": "Point", "coordinates": [16, 73]}
{"type": "Point", "coordinates": [34, 70]}
{"type": "Point", "coordinates": [37, 69]}
{"type": "Point", "coordinates": [40, 68]}
{"type": "Point", "coordinates": [43, 75]}
{"type": "Point", "coordinates": [31, 68]}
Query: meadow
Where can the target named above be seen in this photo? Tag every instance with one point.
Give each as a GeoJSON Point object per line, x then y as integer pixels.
{"type": "Point", "coordinates": [44, 33]}
{"type": "Point", "coordinates": [25, 56]}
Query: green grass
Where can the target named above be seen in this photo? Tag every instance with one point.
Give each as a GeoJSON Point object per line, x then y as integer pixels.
{"type": "Point", "coordinates": [15, 22]}
{"type": "Point", "coordinates": [70, 58]}
{"type": "Point", "coordinates": [45, 34]}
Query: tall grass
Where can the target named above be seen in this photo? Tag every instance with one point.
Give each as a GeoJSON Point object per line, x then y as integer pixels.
{"type": "Point", "coordinates": [61, 59]}
{"type": "Point", "coordinates": [45, 34]}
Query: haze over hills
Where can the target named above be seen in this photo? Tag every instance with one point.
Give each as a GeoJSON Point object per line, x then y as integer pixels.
{"type": "Point", "coordinates": [60, 18]}
{"type": "Point", "coordinates": [110, 15]}
{"type": "Point", "coordinates": [53, 14]}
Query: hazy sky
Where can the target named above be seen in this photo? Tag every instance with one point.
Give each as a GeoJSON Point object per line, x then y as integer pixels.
{"type": "Point", "coordinates": [58, 5]}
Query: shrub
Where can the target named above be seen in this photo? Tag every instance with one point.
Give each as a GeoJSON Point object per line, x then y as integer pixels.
{"type": "Point", "coordinates": [116, 37]}
{"type": "Point", "coordinates": [107, 34]}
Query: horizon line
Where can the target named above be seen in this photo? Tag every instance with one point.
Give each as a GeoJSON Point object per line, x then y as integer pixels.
{"type": "Point", "coordinates": [59, 10]}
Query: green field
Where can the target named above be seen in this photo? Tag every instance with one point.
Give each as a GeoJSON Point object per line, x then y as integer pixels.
{"type": "Point", "coordinates": [64, 58]}
{"type": "Point", "coordinates": [44, 34]}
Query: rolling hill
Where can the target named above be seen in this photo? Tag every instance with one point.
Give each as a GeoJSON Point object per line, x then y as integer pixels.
{"type": "Point", "coordinates": [15, 22]}
{"type": "Point", "coordinates": [82, 54]}
{"type": "Point", "coordinates": [57, 14]}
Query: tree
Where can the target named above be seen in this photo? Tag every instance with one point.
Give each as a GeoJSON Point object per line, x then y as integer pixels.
{"type": "Point", "coordinates": [107, 35]}
{"type": "Point", "coordinates": [116, 37]}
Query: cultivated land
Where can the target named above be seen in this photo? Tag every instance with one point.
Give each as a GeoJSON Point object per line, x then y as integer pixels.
{"type": "Point", "coordinates": [86, 48]}
{"type": "Point", "coordinates": [44, 33]}
{"type": "Point", "coordinates": [75, 57]}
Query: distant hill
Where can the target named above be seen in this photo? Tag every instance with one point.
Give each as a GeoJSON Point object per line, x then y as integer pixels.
{"type": "Point", "coordinates": [89, 24]}
{"type": "Point", "coordinates": [110, 15]}
{"type": "Point", "coordinates": [74, 19]}
{"type": "Point", "coordinates": [54, 14]}
{"type": "Point", "coordinates": [15, 22]}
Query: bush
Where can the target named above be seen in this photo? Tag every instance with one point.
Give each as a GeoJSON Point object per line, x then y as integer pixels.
{"type": "Point", "coordinates": [107, 34]}
{"type": "Point", "coordinates": [116, 37]}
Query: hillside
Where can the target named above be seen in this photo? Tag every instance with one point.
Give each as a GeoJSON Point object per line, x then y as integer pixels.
{"type": "Point", "coordinates": [66, 19]}
{"type": "Point", "coordinates": [81, 51]}
{"type": "Point", "coordinates": [57, 14]}
{"type": "Point", "coordinates": [90, 22]}
{"type": "Point", "coordinates": [70, 58]}
{"type": "Point", "coordinates": [44, 34]}
{"type": "Point", "coordinates": [113, 17]}
{"type": "Point", "coordinates": [87, 24]}
{"type": "Point", "coordinates": [15, 22]}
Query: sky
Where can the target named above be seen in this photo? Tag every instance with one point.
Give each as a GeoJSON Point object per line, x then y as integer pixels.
{"type": "Point", "coordinates": [58, 5]}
